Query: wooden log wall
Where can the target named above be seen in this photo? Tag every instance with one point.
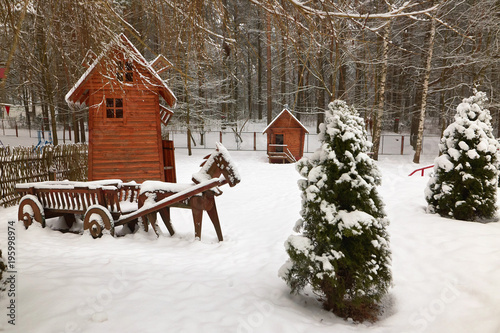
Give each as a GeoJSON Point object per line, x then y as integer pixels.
{"type": "Point", "coordinates": [27, 164]}
{"type": "Point", "coordinates": [128, 148]}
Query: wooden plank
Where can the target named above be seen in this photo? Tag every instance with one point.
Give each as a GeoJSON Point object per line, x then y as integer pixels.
{"type": "Point", "coordinates": [63, 211]}
{"type": "Point", "coordinates": [52, 199]}
{"type": "Point", "coordinates": [177, 197]}
{"type": "Point", "coordinates": [58, 201]}
{"type": "Point", "coordinates": [125, 164]}
{"type": "Point", "coordinates": [128, 154]}
{"type": "Point", "coordinates": [125, 141]}
{"type": "Point", "coordinates": [80, 203]}
{"type": "Point", "coordinates": [125, 172]}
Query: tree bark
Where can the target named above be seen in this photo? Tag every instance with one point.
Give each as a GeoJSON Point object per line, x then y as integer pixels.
{"type": "Point", "coordinates": [381, 93]}
{"type": "Point", "coordinates": [259, 67]}
{"type": "Point", "coordinates": [283, 69]}
{"type": "Point", "coordinates": [425, 90]}
{"type": "Point", "coordinates": [249, 80]}
{"type": "Point", "coordinates": [27, 108]}
{"type": "Point", "coordinates": [269, 70]}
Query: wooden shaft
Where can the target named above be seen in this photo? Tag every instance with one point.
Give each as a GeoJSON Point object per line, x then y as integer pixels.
{"type": "Point", "coordinates": [182, 195]}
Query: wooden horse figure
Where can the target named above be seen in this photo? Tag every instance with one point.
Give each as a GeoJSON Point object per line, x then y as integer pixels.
{"type": "Point", "coordinates": [216, 164]}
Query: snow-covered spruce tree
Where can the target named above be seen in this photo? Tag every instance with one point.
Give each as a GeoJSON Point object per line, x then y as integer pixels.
{"type": "Point", "coordinates": [342, 248]}
{"type": "Point", "coordinates": [464, 183]}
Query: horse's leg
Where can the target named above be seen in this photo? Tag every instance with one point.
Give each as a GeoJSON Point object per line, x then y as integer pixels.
{"type": "Point", "coordinates": [153, 221]}
{"type": "Point", "coordinates": [69, 219]}
{"type": "Point", "coordinates": [196, 204]}
{"type": "Point", "coordinates": [144, 221]}
{"type": "Point", "coordinates": [131, 225]}
{"type": "Point", "coordinates": [165, 216]}
{"type": "Point", "coordinates": [211, 209]}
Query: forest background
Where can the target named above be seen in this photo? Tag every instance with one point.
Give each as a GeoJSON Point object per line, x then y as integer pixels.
{"type": "Point", "coordinates": [405, 65]}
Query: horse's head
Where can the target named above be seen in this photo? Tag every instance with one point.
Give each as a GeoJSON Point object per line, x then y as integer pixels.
{"type": "Point", "coordinates": [216, 164]}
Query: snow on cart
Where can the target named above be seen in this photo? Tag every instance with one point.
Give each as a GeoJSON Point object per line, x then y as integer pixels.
{"type": "Point", "coordinates": [107, 204]}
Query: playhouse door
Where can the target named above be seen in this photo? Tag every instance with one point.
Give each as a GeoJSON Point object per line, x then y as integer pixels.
{"type": "Point", "coordinates": [279, 140]}
{"type": "Point", "coordinates": [169, 161]}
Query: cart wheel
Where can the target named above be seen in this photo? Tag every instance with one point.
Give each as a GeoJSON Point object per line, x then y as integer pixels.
{"type": "Point", "coordinates": [98, 219]}
{"type": "Point", "coordinates": [30, 210]}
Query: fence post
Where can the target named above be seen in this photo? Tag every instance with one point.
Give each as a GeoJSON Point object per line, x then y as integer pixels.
{"type": "Point", "coordinates": [17, 133]}
{"type": "Point", "coordinates": [402, 143]}
{"type": "Point", "coordinates": [220, 136]}
{"type": "Point", "coordinates": [382, 143]}
{"type": "Point", "coordinates": [307, 142]}
{"type": "Point", "coordinates": [50, 160]}
{"type": "Point", "coordinates": [52, 174]}
{"type": "Point", "coordinates": [254, 140]}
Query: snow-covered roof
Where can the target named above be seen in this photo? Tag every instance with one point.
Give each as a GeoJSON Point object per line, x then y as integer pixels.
{"type": "Point", "coordinates": [285, 110]}
{"type": "Point", "coordinates": [121, 41]}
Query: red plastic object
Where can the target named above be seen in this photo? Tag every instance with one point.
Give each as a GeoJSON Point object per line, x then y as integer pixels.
{"type": "Point", "coordinates": [421, 169]}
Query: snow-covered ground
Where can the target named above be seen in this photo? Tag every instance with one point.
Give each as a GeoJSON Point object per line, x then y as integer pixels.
{"type": "Point", "coordinates": [446, 273]}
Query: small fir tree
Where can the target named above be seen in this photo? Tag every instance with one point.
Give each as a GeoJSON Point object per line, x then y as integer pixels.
{"type": "Point", "coordinates": [342, 248]}
{"type": "Point", "coordinates": [464, 183]}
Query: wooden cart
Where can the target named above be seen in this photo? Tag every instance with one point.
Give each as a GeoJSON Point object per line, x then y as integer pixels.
{"type": "Point", "coordinates": [110, 203]}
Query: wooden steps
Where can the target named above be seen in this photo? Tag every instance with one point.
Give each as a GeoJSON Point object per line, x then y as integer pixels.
{"type": "Point", "coordinates": [280, 157]}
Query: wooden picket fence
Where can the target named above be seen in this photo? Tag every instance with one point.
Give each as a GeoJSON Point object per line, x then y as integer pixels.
{"type": "Point", "coordinates": [28, 164]}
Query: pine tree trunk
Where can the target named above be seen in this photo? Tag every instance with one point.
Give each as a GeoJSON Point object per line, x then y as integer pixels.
{"type": "Point", "coordinates": [27, 108]}
{"type": "Point", "coordinates": [381, 93]}
{"type": "Point", "coordinates": [259, 67]}
{"type": "Point", "coordinates": [442, 112]}
{"type": "Point", "coordinates": [268, 67]}
{"type": "Point", "coordinates": [283, 70]}
{"type": "Point", "coordinates": [332, 82]}
{"type": "Point", "coordinates": [300, 78]}
{"type": "Point", "coordinates": [425, 90]}
{"type": "Point", "coordinates": [415, 116]}
{"type": "Point", "coordinates": [53, 120]}
{"type": "Point", "coordinates": [76, 131]}
{"type": "Point", "coordinates": [320, 114]}
{"type": "Point", "coordinates": [249, 81]}
{"type": "Point", "coordinates": [82, 129]}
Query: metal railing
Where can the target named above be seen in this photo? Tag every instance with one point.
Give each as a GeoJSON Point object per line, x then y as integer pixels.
{"type": "Point", "coordinates": [390, 144]}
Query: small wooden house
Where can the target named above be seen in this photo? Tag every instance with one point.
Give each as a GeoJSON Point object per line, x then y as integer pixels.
{"type": "Point", "coordinates": [285, 138]}
{"type": "Point", "coordinates": [123, 92]}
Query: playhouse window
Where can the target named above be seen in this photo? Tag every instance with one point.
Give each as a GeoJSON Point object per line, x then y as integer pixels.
{"type": "Point", "coordinates": [125, 70]}
{"type": "Point", "coordinates": [114, 107]}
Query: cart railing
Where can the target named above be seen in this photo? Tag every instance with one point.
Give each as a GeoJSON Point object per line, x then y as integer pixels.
{"type": "Point", "coordinates": [77, 197]}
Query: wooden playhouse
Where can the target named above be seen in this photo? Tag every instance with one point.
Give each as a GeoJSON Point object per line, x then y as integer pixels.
{"type": "Point", "coordinates": [124, 92]}
{"type": "Point", "coordinates": [285, 138]}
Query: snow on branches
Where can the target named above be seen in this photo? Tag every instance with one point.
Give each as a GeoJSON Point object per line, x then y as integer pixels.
{"type": "Point", "coordinates": [464, 183]}
{"type": "Point", "coordinates": [342, 248]}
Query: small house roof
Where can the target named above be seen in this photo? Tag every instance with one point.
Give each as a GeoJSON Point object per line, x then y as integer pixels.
{"type": "Point", "coordinates": [284, 112]}
{"type": "Point", "coordinates": [122, 42]}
